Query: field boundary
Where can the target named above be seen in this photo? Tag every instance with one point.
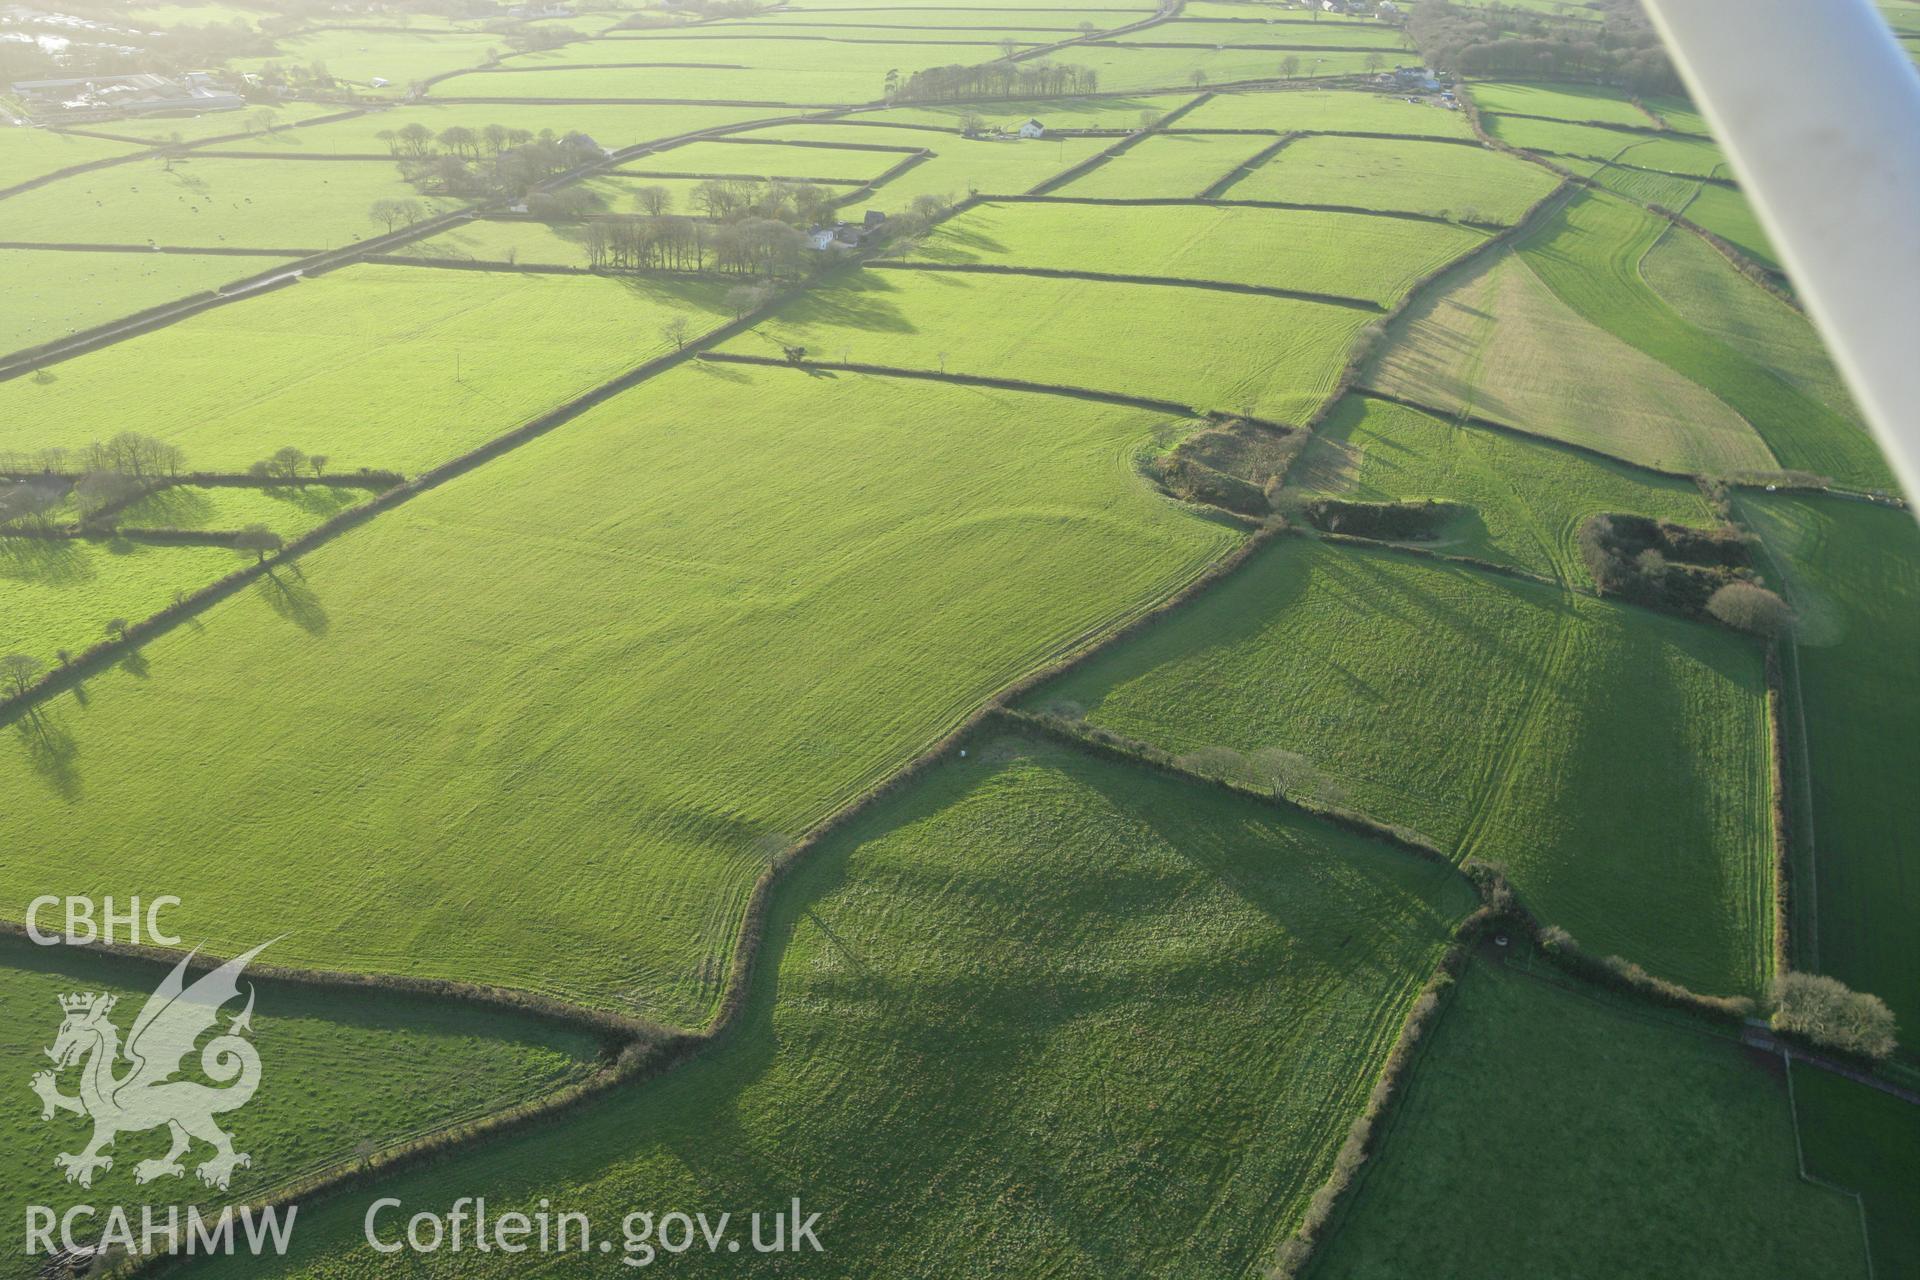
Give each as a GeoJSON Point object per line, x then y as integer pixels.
{"type": "Point", "coordinates": [1036, 196]}
{"type": "Point", "coordinates": [1246, 168]}
{"type": "Point", "coordinates": [962, 379]}
{"type": "Point", "coordinates": [1171, 282]}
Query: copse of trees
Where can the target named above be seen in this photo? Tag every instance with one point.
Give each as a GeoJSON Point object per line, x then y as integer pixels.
{"type": "Point", "coordinates": [1002, 78]}
{"type": "Point", "coordinates": [1621, 48]}
{"type": "Point", "coordinates": [491, 161]}
{"type": "Point", "coordinates": [1827, 1012]}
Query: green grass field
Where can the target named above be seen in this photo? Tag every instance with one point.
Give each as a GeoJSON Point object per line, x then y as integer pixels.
{"type": "Point", "coordinates": [558, 244]}
{"type": "Point", "coordinates": [51, 293]}
{"type": "Point", "coordinates": [1131, 68]}
{"type": "Point", "coordinates": [1009, 1007]}
{"type": "Point", "coordinates": [1180, 165]}
{"type": "Point", "coordinates": [1558, 138]}
{"type": "Point", "coordinates": [1275, 357]}
{"type": "Point", "coordinates": [767, 160]}
{"type": "Point", "coordinates": [398, 57]}
{"type": "Point", "coordinates": [341, 1071]}
{"type": "Point", "coordinates": [1393, 174]}
{"type": "Point", "coordinates": [743, 677]}
{"type": "Point", "coordinates": [801, 72]}
{"type": "Point", "coordinates": [360, 364]}
{"type": "Point", "coordinates": [32, 153]}
{"type": "Point", "coordinates": [1727, 214]}
{"type": "Point", "coordinates": [1355, 255]}
{"type": "Point", "coordinates": [1497, 343]}
{"type": "Point", "coordinates": [1648, 188]}
{"type": "Point", "coordinates": [1852, 571]}
{"type": "Point", "coordinates": [610, 126]}
{"type": "Point", "coordinates": [1298, 35]}
{"type": "Point", "coordinates": [1590, 252]}
{"type": "Point", "coordinates": [1692, 278]}
{"type": "Point", "coordinates": [1503, 720]}
{"type": "Point", "coordinates": [1325, 109]}
{"type": "Point", "coordinates": [254, 120]}
{"type": "Point", "coordinates": [210, 201]}
{"type": "Point", "coordinates": [1528, 498]}
{"type": "Point", "coordinates": [961, 166]}
{"type": "Point", "coordinates": [288, 510]}
{"type": "Point", "coordinates": [1576, 103]}
{"type": "Point", "coordinates": [1120, 111]}
{"type": "Point", "coordinates": [1550, 1132]}
{"type": "Point", "coordinates": [61, 594]}
{"type": "Point", "coordinates": [1869, 1142]}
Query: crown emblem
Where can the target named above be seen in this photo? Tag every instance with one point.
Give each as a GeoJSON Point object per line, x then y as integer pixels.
{"type": "Point", "coordinates": [86, 1002]}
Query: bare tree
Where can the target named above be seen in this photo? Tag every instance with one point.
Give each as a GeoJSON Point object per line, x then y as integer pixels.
{"type": "Point", "coordinates": [654, 201]}
{"type": "Point", "coordinates": [677, 331]}
{"type": "Point", "coordinates": [1290, 65]}
{"type": "Point", "coordinates": [19, 671]}
{"type": "Point", "coordinates": [258, 539]}
{"type": "Point", "coordinates": [318, 461]}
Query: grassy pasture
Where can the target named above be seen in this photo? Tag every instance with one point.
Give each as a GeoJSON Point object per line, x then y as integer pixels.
{"type": "Point", "coordinates": [616, 193]}
{"type": "Point", "coordinates": [559, 244]}
{"type": "Point", "coordinates": [1119, 112]}
{"type": "Point", "coordinates": [1868, 1141]}
{"type": "Point", "coordinates": [1179, 165]}
{"type": "Point", "coordinates": [51, 292]}
{"type": "Point", "coordinates": [1852, 571]}
{"type": "Point", "coordinates": [1055, 23]}
{"type": "Point", "coordinates": [1726, 213]}
{"type": "Point", "coordinates": [359, 364]}
{"type": "Point", "coordinates": [214, 124]}
{"type": "Point", "coordinates": [766, 160]}
{"type": "Point", "coordinates": [61, 594]}
{"type": "Point", "coordinates": [1529, 499]}
{"type": "Point", "coordinates": [1015, 1003]}
{"type": "Point", "coordinates": [1497, 343]}
{"type": "Point", "coordinates": [1575, 103]}
{"type": "Point", "coordinates": [399, 57]}
{"type": "Point", "coordinates": [1355, 255]}
{"type": "Point", "coordinates": [1503, 719]}
{"type": "Point", "coordinates": [746, 68]}
{"type": "Point", "coordinates": [32, 153]}
{"type": "Point", "coordinates": [1276, 357]}
{"type": "Point", "coordinates": [339, 1069]}
{"type": "Point", "coordinates": [716, 76]}
{"type": "Point", "coordinates": [1670, 154]}
{"type": "Point", "coordinates": [1136, 67]}
{"type": "Point", "coordinates": [610, 126]}
{"type": "Point", "coordinates": [1679, 114]}
{"type": "Point", "coordinates": [1589, 253]}
{"type": "Point", "coordinates": [1547, 1132]}
{"type": "Point", "coordinates": [1557, 138]}
{"type": "Point", "coordinates": [1691, 277]}
{"type": "Point", "coordinates": [1648, 188]}
{"type": "Point", "coordinates": [960, 166]}
{"type": "Point", "coordinates": [1356, 110]}
{"type": "Point", "coordinates": [210, 201]}
{"type": "Point", "coordinates": [288, 510]}
{"type": "Point", "coordinates": [438, 717]}
{"type": "Point", "coordinates": [975, 45]}
{"type": "Point", "coordinates": [1393, 174]}
{"type": "Point", "coordinates": [1296, 35]}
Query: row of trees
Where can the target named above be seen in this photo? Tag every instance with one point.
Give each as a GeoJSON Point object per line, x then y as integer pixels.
{"type": "Point", "coordinates": [1001, 78]}
{"type": "Point", "coordinates": [490, 162]}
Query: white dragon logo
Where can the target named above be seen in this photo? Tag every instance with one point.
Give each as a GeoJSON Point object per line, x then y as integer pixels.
{"type": "Point", "coordinates": [148, 1096]}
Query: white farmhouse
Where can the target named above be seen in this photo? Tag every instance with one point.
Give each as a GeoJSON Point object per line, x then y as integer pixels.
{"type": "Point", "coordinates": [1033, 129]}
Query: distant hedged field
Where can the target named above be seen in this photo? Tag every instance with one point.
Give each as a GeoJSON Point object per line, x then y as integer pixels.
{"type": "Point", "coordinates": [1283, 671]}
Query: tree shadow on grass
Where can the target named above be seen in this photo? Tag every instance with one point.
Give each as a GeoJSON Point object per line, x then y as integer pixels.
{"type": "Point", "coordinates": [54, 562]}
{"type": "Point", "coordinates": [51, 751]}
{"type": "Point", "coordinates": [288, 595]}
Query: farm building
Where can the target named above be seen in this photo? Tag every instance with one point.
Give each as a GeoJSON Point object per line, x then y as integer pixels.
{"type": "Point", "coordinates": [1033, 129]}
